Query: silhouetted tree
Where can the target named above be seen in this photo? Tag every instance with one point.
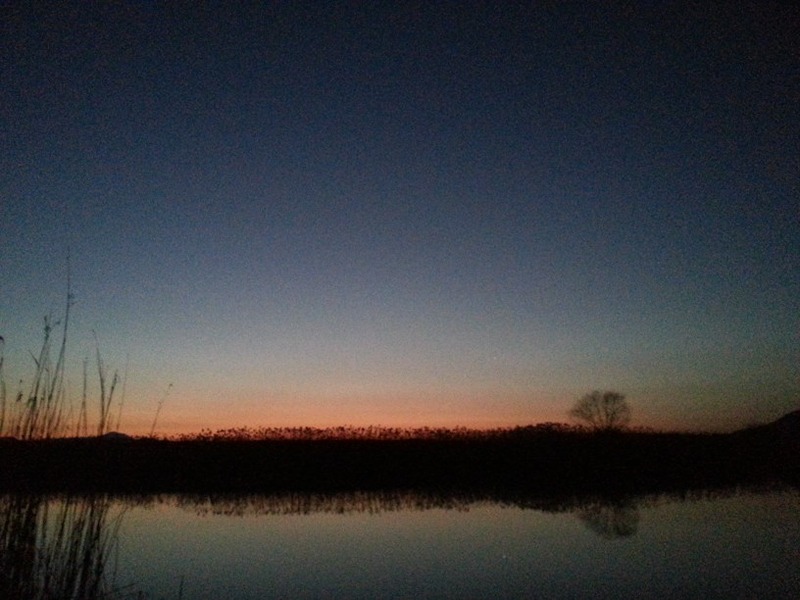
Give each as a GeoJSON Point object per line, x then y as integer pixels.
{"type": "Point", "coordinates": [602, 411]}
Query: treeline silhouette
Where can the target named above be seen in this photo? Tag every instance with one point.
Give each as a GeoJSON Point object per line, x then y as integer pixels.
{"type": "Point", "coordinates": [372, 432]}
{"type": "Point", "coordinates": [549, 458]}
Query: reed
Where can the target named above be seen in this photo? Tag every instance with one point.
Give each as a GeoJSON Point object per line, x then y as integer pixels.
{"type": "Point", "coordinates": [41, 414]}
{"type": "Point", "coordinates": [42, 411]}
{"type": "Point", "coordinates": [2, 387]}
{"type": "Point", "coordinates": [106, 392]}
{"type": "Point", "coordinates": [57, 548]}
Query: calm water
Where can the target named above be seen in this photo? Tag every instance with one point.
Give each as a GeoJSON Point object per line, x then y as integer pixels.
{"type": "Point", "coordinates": [730, 545]}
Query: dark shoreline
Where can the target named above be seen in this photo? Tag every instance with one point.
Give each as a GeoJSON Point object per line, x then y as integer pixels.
{"type": "Point", "coordinates": [526, 461]}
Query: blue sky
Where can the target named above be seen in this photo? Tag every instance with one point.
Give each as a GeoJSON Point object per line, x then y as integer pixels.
{"type": "Point", "coordinates": [300, 214]}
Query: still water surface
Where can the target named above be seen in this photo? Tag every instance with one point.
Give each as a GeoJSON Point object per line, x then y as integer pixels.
{"type": "Point", "coordinates": [742, 544]}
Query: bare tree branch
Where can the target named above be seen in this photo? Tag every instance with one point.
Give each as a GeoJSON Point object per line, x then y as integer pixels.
{"type": "Point", "coordinates": [602, 411]}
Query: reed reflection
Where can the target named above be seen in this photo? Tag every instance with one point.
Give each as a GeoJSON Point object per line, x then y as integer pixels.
{"type": "Point", "coordinates": [56, 547]}
{"type": "Point", "coordinates": [608, 517]}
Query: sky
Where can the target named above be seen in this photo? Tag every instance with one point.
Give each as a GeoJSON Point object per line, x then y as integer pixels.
{"type": "Point", "coordinates": [406, 214]}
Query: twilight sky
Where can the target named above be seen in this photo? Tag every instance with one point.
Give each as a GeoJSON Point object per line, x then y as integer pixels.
{"type": "Point", "coordinates": [408, 213]}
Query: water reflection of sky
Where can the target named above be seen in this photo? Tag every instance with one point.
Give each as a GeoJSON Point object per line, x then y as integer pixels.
{"type": "Point", "coordinates": [723, 547]}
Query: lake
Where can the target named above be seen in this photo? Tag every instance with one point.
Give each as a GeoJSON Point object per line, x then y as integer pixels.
{"type": "Point", "coordinates": [702, 544]}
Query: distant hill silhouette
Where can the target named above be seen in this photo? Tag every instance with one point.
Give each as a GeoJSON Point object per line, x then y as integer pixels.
{"type": "Point", "coordinates": [784, 432]}
{"type": "Point", "coordinates": [788, 422]}
{"type": "Point", "coordinates": [115, 436]}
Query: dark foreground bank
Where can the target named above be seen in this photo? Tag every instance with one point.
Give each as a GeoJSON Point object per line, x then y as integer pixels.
{"type": "Point", "coordinates": [523, 459]}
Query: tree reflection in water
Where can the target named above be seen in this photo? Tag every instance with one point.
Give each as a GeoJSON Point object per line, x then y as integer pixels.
{"type": "Point", "coordinates": [56, 547]}
{"type": "Point", "coordinates": [611, 520]}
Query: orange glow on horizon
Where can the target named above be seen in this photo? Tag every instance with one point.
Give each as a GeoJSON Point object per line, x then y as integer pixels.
{"type": "Point", "coordinates": [186, 413]}
{"type": "Point", "coordinates": [177, 420]}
